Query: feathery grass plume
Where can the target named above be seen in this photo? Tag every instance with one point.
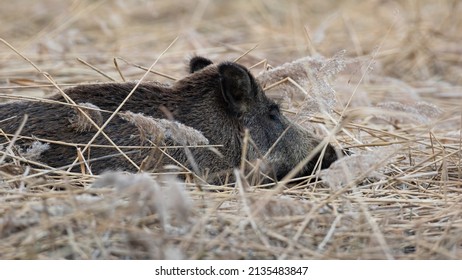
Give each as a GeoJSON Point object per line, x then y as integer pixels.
{"type": "Point", "coordinates": [35, 150]}
{"type": "Point", "coordinates": [142, 196]}
{"type": "Point", "coordinates": [177, 199]}
{"type": "Point", "coordinates": [127, 204]}
{"type": "Point", "coordinates": [365, 163]}
{"type": "Point", "coordinates": [420, 113]}
{"type": "Point", "coordinates": [31, 152]}
{"type": "Point", "coordinates": [283, 206]}
{"type": "Point", "coordinates": [309, 77]}
{"type": "Point", "coordinates": [332, 66]}
{"type": "Point", "coordinates": [139, 193]}
{"type": "Point", "coordinates": [161, 129]}
{"type": "Point", "coordinates": [81, 123]}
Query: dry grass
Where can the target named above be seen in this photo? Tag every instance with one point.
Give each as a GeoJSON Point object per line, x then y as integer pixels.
{"type": "Point", "coordinates": [398, 109]}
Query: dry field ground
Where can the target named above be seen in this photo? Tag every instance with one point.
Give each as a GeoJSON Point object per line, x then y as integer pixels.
{"type": "Point", "coordinates": [384, 80]}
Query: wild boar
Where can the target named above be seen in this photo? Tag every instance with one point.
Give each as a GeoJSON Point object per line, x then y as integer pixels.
{"type": "Point", "coordinates": [220, 101]}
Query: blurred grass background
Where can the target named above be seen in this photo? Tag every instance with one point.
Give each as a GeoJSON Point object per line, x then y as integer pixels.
{"type": "Point", "coordinates": [411, 40]}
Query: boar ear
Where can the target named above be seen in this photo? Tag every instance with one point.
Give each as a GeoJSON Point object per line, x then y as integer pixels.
{"type": "Point", "coordinates": [197, 63]}
{"type": "Point", "coordinates": [236, 86]}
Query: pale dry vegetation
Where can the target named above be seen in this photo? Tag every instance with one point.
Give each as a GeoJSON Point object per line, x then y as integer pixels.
{"type": "Point", "coordinates": [380, 78]}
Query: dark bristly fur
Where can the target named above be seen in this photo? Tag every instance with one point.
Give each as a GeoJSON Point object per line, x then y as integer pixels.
{"type": "Point", "coordinates": [197, 63]}
{"type": "Point", "coordinates": [219, 100]}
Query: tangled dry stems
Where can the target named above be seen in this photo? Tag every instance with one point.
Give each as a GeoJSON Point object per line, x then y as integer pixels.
{"type": "Point", "coordinates": [397, 196]}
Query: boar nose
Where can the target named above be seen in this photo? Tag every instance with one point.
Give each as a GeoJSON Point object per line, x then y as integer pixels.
{"type": "Point", "coordinates": [330, 156]}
